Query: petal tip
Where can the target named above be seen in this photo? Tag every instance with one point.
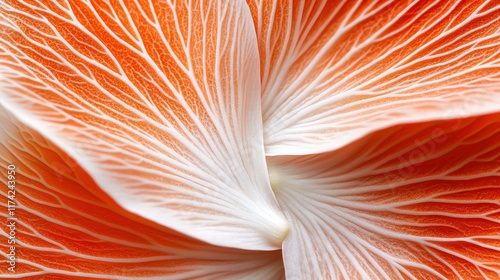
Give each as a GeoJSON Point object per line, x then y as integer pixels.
{"type": "Point", "coordinates": [279, 232]}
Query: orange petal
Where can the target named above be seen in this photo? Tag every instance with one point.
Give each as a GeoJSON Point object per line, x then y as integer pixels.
{"type": "Point", "coordinates": [63, 230]}
{"type": "Point", "coordinates": [158, 102]}
{"type": "Point", "coordinates": [333, 71]}
{"type": "Point", "coordinates": [417, 201]}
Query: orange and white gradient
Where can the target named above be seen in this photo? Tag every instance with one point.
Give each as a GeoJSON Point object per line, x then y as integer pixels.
{"type": "Point", "coordinates": [199, 139]}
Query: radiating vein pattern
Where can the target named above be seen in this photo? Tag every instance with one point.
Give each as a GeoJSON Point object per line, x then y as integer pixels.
{"type": "Point", "coordinates": [333, 71]}
{"type": "Point", "coordinates": [419, 201]}
{"type": "Point", "coordinates": [158, 100]}
{"type": "Point", "coordinates": [64, 231]}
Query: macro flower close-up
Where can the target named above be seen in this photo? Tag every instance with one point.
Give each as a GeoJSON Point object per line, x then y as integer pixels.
{"type": "Point", "coordinates": [257, 139]}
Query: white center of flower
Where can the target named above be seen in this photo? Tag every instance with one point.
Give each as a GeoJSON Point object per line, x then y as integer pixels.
{"type": "Point", "coordinates": [276, 179]}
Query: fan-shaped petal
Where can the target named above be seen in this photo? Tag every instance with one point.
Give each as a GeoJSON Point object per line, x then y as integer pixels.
{"type": "Point", "coordinates": [417, 201]}
{"type": "Point", "coordinates": [333, 71]}
{"type": "Point", "coordinates": [157, 100]}
{"type": "Point", "coordinates": [64, 231]}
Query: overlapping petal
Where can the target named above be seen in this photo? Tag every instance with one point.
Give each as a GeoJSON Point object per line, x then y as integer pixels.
{"type": "Point", "coordinates": [333, 71]}
{"type": "Point", "coordinates": [157, 100]}
{"type": "Point", "coordinates": [149, 127]}
{"type": "Point", "coordinates": [64, 231]}
{"type": "Point", "coordinates": [418, 201]}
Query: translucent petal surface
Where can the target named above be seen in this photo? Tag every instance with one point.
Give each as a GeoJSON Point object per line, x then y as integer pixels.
{"type": "Point", "coordinates": [333, 71]}
{"type": "Point", "coordinates": [64, 231]}
{"type": "Point", "coordinates": [158, 101]}
{"type": "Point", "coordinates": [419, 201]}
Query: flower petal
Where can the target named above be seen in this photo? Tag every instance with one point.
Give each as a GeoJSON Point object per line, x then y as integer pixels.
{"type": "Point", "coordinates": [333, 71]}
{"type": "Point", "coordinates": [416, 201]}
{"type": "Point", "coordinates": [63, 230]}
{"type": "Point", "coordinates": [158, 101]}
